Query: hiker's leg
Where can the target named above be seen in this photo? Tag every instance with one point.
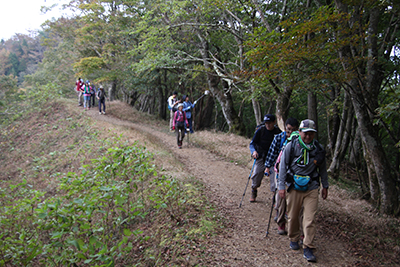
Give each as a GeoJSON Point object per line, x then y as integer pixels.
{"type": "Point", "coordinates": [258, 173]}
{"type": "Point", "coordinates": [310, 205]}
{"type": "Point", "coordinates": [183, 132]}
{"type": "Point", "coordinates": [104, 105]}
{"type": "Point", "coordinates": [177, 135]}
{"type": "Point", "coordinates": [171, 119]}
{"type": "Point", "coordinates": [294, 200]}
{"type": "Point", "coordinates": [281, 207]}
{"type": "Point", "coordinates": [190, 125]}
{"type": "Point", "coordinates": [100, 105]}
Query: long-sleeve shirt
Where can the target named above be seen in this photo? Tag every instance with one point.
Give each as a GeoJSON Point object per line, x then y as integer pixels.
{"type": "Point", "coordinates": [288, 163]}
{"type": "Point", "coordinates": [180, 116]}
{"type": "Point", "coordinates": [172, 102]}
{"type": "Point", "coordinates": [274, 149]}
{"type": "Point", "coordinates": [187, 106]}
{"type": "Point", "coordinates": [262, 140]}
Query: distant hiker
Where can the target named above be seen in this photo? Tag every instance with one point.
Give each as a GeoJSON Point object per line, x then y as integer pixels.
{"type": "Point", "coordinates": [92, 94]}
{"type": "Point", "coordinates": [275, 149]}
{"type": "Point", "coordinates": [101, 96]}
{"type": "Point", "coordinates": [172, 106]}
{"type": "Point", "coordinates": [187, 107]}
{"type": "Point", "coordinates": [302, 163]}
{"type": "Point", "coordinates": [86, 95]}
{"type": "Point", "coordinates": [259, 147]}
{"type": "Point", "coordinates": [79, 84]}
{"type": "Point", "coordinates": [179, 123]}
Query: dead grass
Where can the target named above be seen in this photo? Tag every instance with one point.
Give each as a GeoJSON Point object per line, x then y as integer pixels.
{"type": "Point", "coordinates": [54, 135]}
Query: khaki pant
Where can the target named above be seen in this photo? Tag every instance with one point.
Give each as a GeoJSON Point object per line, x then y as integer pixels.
{"type": "Point", "coordinates": [295, 200]}
{"type": "Point", "coordinates": [80, 97]}
{"type": "Point", "coordinates": [171, 119]}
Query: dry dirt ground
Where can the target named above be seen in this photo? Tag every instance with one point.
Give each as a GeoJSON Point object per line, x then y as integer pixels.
{"type": "Point", "coordinates": [245, 242]}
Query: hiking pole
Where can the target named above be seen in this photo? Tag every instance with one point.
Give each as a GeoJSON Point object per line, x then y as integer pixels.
{"type": "Point", "coordinates": [188, 133]}
{"type": "Point", "coordinates": [205, 93]}
{"type": "Point", "coordinates": [270, 214]}
{"type": "Point", "coordinates": [240, 205]}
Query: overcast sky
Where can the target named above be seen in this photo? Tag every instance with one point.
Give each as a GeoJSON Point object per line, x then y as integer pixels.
{"type": "Point", "coordinates": [20, 16]}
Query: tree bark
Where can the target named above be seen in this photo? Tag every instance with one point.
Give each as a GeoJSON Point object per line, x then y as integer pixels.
{"type": "Point", "coordinates": [343, 137]}
{"type": "Point", "coordinates": [333, 121]}
{"type": "Point", "coordinates": [312, 109]}
{"type": "Point", "coordinates": [223, 96]}
{"type": "Point", "coordinates": [364, 90]}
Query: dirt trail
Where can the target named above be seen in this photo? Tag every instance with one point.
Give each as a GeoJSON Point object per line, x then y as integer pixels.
{"type": "Point", "coordinates": [245, 243]}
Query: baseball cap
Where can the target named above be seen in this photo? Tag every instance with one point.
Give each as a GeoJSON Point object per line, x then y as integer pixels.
{"type": "Point", "coordinates": [308, 126]}
{"type": "Point", "coordinates": [269, 117]}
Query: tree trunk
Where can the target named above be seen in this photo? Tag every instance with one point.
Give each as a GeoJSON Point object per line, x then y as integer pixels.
{"type": "Point", "coordinates": [364, 90]}
{"type": "Point", "coordinates": [112, 91]}
{"type": "Point", "coordinates": [343, 137]}
{"type": "Point", "coordinates": [257, 111]}
{"type": "Point", "coordinates": [282, 105]}
{"type": "Point", "coordinates": [333, 121]}
{"type": "Point", "coordinates": [203, 113]}
{"type": "Point", "coordinates": [312, 109]}
{"type": "Point", "coordinates": [223, 97]}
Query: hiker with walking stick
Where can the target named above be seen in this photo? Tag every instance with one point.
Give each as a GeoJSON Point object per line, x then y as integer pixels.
{"type": "Point", "coordinates": [302, 169]}
{"type": "Point", "coordinates": [179, 123]}
{"type": "Point", "coordinates": [259, 147]}
{"type": "Point", "coordinates": [276, 148]}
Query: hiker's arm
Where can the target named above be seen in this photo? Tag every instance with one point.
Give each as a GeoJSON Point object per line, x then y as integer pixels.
{"type": "Point", "coordinates": [253, 151]}
{"type": "Point", "coordinates": [273, 152]}
{"type": "Point", "coordinates": [283, 167]}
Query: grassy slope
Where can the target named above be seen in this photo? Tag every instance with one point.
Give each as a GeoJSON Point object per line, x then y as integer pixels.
{"type": "Point", "coordinates": [41, 147]}
{"type": "Point", "coordinates": [59, 139]}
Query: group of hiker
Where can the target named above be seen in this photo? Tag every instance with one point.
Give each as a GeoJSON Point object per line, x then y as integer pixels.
{"type": "Point", "coordinates": [87, 94]}
{"type": "Point", "coordinates": [180, 116]}
{"type": "Point", "coordinates": [295, 163]}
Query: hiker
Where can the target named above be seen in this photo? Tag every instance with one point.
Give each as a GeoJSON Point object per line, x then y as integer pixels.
{"type": "Point", "coordinates": [86, 95]}
{"type": "Point", "coordinates": [259, 147]}
{"type": "Point", "coordinates": [179, 123]}
{"type": "Point", "coordinates": [101, 96]}
{"type": "Point", "coordinates": [187, 107]}
{"type": "Point", "coordinates": [275, 149]}
{"type": "Point", "coordinates": [92, 95]}
{"type": "Point", "coordinates": [172, 106]}
{"type": "Point", "coordinates": [302, 163]}
{"type": "Point", "coordinates": [79, 84]}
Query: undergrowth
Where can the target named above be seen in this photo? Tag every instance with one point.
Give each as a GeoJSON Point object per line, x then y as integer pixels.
{"type": "Point", "coordinates": [79, 198]}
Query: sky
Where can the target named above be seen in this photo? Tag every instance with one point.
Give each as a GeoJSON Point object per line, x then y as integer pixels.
{"type": "Point", "coordinates": [20, 16]}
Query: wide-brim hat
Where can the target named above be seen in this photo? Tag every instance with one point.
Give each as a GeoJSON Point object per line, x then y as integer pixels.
{"type": "Point", "coordinates": [180, 105]}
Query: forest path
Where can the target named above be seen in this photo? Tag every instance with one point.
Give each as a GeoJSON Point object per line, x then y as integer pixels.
{"type": "Point", "coordinates": [245, 243]}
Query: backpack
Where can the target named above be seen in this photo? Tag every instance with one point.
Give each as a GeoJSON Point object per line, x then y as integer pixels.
{"type": "Point", "coordinates": [180, 119]}
{"type": "Point", "coordinates": [319, 158]}
{"type": "Point", "coordinates": [100, 94]}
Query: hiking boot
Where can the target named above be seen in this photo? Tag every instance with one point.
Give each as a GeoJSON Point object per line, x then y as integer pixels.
{"type": "Point", "coordinates": [104, 113]}
{"type": "Point", "coordinates": [281, 230]}
{"type": "Point", "coordinates": [294, 245]}
{"type": "Point", "coordinates": [100, 113]}
{"type": "Point", "coordinates": [253, 195]}
{"type": "Point", "coordinates": [309, 255]}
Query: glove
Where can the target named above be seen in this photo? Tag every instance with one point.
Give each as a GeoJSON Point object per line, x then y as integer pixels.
{"type": "Point", "coordinates": [194, 103]}
{"type": "Point", "coordinates": [173, 127]}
